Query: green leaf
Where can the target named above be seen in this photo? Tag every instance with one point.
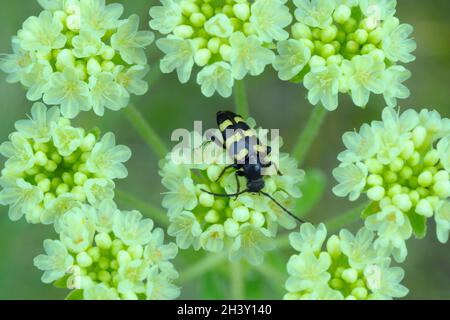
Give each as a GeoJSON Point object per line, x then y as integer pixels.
{"type": "Point", "coordinates": [372, 208]}
{"type": "Point", "coordinates": [313, 188]}
{"type": "Point", "coordinates": [418, 223]}
{"type": "Point", "coordinates": [75, 295]}
{"type": "Point", "coordinates": [61, 283]}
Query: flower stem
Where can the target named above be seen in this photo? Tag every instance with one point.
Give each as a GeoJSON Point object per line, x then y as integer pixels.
{"type": "Point", "coordinates": [150, 210]}
{"type": "Point", "coordinates": [275, 277]}
{"type": "Point", "coordinates": [309, 133]}
{"type": "Point", "coordinates": [237, 281]}
{"type": "Point", "coordinates": [332, 224]}
{"type": "Point", "coordinates": [240, 99]}
{"type": "Point", "coordinates": [346, 218]}
{"type": "Point", "coordinates": [146, 131]}
{"type": "Point", "coordinates": [198, 269]}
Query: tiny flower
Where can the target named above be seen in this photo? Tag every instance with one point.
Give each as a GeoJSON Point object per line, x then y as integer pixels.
{"type": "Point", "coordinates": [179, 56]}
{"type": "Point", "coordinates": [52, 167]}
{"type": "Point", "coordinates": [248, 56]}
{"type": "Point", "coordinates": [20, 196]}
{"type": "Point", "coordinates": [365, 76]}
{"type": "Point", "coordinates": [269, 18]}
{"type": "Point", "coordinates": [56, 261]}
{"type": "Point", "coordinates": [225, 40]}
{"type": "Point", "coordinates": [309, 238]}
{"type": "Point", "coordinates": [157, 252]}
{"type": "Point", "coordinates": [243, 226]}
{"type": "Point", "coordinates": [293, 57]}
{"type": "Point", "coordinates": [323, 85]}
{"type": "Point", "coordinates": [216, 77]}
{"type": "Point", "coordinates": [401, 164]}
{"type": "Point", "coordinates": [67, 90]}
{"type": "Point", "coordinates": [96, 15]}
{"type": "Point", "coordinates": [360, 145]}
{"type": "Point", "coordinates": [132, 229]}
{"type": "Point", "coordinates": [17, 64]}
{"type": "Point", "coordinates": [42, 33]}
{"type": "Point", "coordinates": [108, 254]}
{"type": "Point", "coordinates": [315, 13]}
{"type": "Point", "coordinates": [397, 45]}
{"type": "Point", "coordinates": [360, 39]}
{"type": "Point", "coordinates": [351, 267]}
{"type": "Point", "coordinates": [100, 292]}
{"type": "Point", "coordinates": [77, 228]}
{"type": "Point", "coordinates": [394, 78]}
{"type": "Point", "coordinates": [87, 44]}
{"type": "Point", "coordinates": [443, 222]}
{"type": "Point", "coordinates": [107, 159]}
{"type": "Point", "coordinates": [166, 17]}
{"type": "Point", "coordinates": [39, 127]}
{"type": "Point", "coordinates": [160, 287]}
{"type": "Point", "coordinates": [130, 42]}
{"type": "Point", "coordinates": [80, 55]}
{"type": "Point", "coordinates": [106, 93]}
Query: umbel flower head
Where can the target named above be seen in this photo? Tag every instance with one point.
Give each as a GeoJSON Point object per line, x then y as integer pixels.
{"type": "Point", "coordinates": [108, 254]}
{"type": "Point", "coordinates": [243, 226]}
{"type": "Point", "coordinates": [226, 39]}
{"type": "Point", "coordinates": [52, 167]}
{"type": "Point", "coordinates": [350, 267]}
{"type": "Point", "coordinates": [350, 47]}
{"type": "Point", "coordinates": [402, 164]}
{"type": "Point", "coordinates": [80, 55]}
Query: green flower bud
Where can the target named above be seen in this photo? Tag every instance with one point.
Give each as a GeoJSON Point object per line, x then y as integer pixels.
{"type": "Point", "coordinates": [84, 260]}
{"type": "Point", "coordinates": [342, 14]}
{"type": "Point", "coordinates": [301, 31]}
{"type": "Point", "coordinates": [376, 193]}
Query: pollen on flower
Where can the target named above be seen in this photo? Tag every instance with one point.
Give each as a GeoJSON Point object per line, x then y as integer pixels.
{"type": "Point", "coordinates": [350, 47]}
{"type": "Point", "coordinates": [401, 164]}
{"type": "Point", "coordinates": [226, 39]}
{"type": "Point", "coordinates": [52, 167]}
{"type": "Point", "coordinates": [243, 226]}
{"type": "Point", "coordinates": [95, 255]}
{"type": "Point", "coordinates": [76, 54]}
{"type": "Point", "coordinates": [350, 267]}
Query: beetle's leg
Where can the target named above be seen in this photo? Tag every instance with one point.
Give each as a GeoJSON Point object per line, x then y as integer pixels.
{"type": "Point", "coordinates": [224, 171]}
{"type": "Point", "coordinates": [238, 183]}
{"type": "Point", "coordinates": [271, 163]}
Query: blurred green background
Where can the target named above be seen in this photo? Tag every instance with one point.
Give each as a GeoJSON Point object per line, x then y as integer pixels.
{"type": "Point", "coordinates": [274, 104]}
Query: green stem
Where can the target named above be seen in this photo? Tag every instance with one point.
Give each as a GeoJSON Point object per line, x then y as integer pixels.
{"type": "Point", "coordinates": [237, 281]}
{"type": "Point", "coordinates": [146, 131]}
{"type": "Point", "coordinates": [346, 218]}
{"type": "Point", "coordinates": [240, 99]}
{"type": "Point", "coordinates": [149, 210]}
{"type": "Point", "coordinates": [332, 224]}
{"type": "Point", "coordinates": [309, 133]}
{"type": "Point", "coordinates": [276, 278]}
{"type": "Point", "coordinates": [198, 269]}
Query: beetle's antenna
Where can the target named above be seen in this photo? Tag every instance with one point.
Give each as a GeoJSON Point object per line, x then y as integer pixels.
{"type": "Point", "coordinates": [284, 209]}
{"type": "Point", "coordinates": [225, 195]}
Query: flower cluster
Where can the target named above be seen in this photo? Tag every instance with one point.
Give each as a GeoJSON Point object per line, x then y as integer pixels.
{"type": "Point", "coordinates": [402, 164]}
{"type": "Point", "coordinates": [80, 55]}
{"type": "Point", "coordinates": [350, 267]}
{"type": "Point", "coordinates": [52, 167]}
{"type": "Point", "coordinates": [227, 39]}
{"type": "Point", "coordinates": [109, 254]}
{"type": "Point", "coordinates": [349, 47]}
{"type": "Point", "coordinates": [244, 226]}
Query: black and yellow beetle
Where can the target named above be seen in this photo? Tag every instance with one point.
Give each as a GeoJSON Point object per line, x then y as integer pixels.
{"type": "Point", "coordinates": [248, 154]}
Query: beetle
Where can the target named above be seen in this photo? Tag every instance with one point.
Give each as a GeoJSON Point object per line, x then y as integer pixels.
{"type": "Point", "coordinates": [248, 155]}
